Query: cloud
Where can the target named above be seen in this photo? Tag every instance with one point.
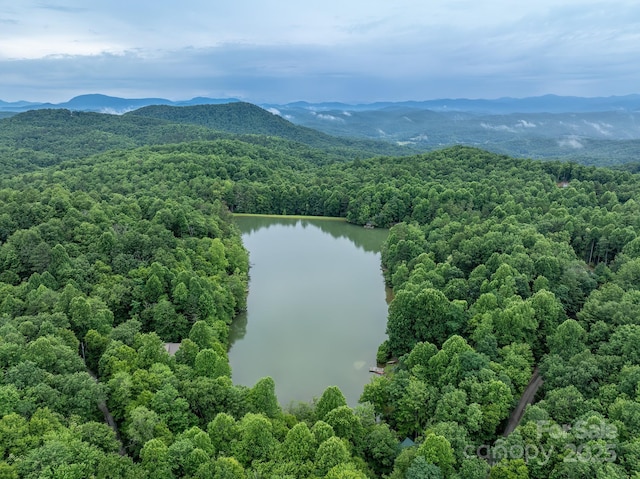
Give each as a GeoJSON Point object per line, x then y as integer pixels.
{"type": "Point", "coordinates": [600, 127]}
{"type": "Point", "coordinates": [421, 137]}
{"type": "Point", "coordinates": [525, 124]}
{"type": "Point", "coordinates": [57, 7]}
{"type": "Point", "coordinates": [319, 51]}
{"type": "Point", "coordinates": [487, 126]}
{"type": "Point", "coordinates": [329, 117]}
{"type": "Point", "coordinates": [113, 111]}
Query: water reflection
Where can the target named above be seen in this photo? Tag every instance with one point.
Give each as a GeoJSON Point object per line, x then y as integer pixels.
{"type": "Point", "coordinates": [316, 310]}
{"type": "Point", "coordinates": [366, 239]}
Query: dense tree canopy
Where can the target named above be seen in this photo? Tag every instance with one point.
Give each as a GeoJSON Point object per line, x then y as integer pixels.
{"type": "Point", "coordinates": [498, 266]}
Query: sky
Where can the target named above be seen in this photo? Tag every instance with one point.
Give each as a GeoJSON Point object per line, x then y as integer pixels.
{"type": "Point", "coordinates": [277, 51]}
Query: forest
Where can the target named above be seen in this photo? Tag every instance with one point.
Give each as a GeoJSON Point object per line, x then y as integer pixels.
{"type": "Point", "coordinates": [117, 235]}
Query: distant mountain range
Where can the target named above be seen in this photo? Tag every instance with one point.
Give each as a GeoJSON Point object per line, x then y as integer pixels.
{"type": "Point", "coordinates": [107, 104]}
{"type": "Point", "coordinates": [539, 104]}
{"type": "Point", "coordinates": [589, 130]}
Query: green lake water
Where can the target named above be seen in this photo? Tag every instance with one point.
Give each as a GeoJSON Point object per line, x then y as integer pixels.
{"type": "Point", "coordinates": [316, 310]}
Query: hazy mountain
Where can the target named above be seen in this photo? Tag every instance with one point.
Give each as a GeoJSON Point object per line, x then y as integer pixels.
{"type": "Point", "coordinates": [539, 104]}
{"type": "Point", "coordinates": [427, 126]}
{"type": "Point", "coordinates": [107, 104]}
{"type": "Point", "coordinates": [200, 100]}
{"type": "Point", "coordinates": [584, 129]}
{"type": "Point", "coordinates": [246, 118]}
{"type": "Point", "coordinates": [538, 135]}
{"type": "Point", "coordinates": [16, 104]}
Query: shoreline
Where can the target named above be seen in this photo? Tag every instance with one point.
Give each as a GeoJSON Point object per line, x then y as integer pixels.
{"type": "Point", "coordinates": [293, 217]}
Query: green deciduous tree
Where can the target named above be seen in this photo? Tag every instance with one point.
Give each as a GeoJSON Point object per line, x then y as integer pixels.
{"type": "Point", "coordinates": [256, 439]}
{"type": "Point", "coordinates": [322, 431]}
{"type": "Point", "coordinates": [169, 325]}
{"type": "Point", "coordinates": [346, 425]}
{"type": "Point", "coordinates": [510, 469]}
{"type": "Point", "coordinates": [381, 448]}
{"type": "Point", "coordinates": [223, 433]}
{"type": "Point", "coordinates": [155, 459]}
{"type": "Point", "coordinates": [421, 469]}
{"type": "Point", "coordinates": [210, 364]}
{"type": "Point", "coordinates": [437, 450]}
{"type": "Point", "coordinates": [262, 398]}
{"type": "Point", "coordinates": [345, 471]}
{"type": "Point", "coordinates": [330, 453]}
{"type": "Point", "coordinates": [568, 340]}
{"type": "Point", "coordinates": [299, 445]}
{"type": "Point", "coordinates": [145, 425]}
{"type": "Point", "coordinates": [331, 398]}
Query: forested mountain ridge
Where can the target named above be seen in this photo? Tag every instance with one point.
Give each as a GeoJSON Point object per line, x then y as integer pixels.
{"type": "Point", "coordinates": [595, 131]}
{"type": "Point", "coordinates": [498, 265]}
{"type": "Point", "coordinates": [236, 117]}
{"type": "Point", "coordinates": [241, 117]}
{"type": "Point", "coordinates": [45, 137]}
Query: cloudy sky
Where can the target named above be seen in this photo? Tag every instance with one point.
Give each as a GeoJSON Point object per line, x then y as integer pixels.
{"type": "Point", "coordinates": [318, 50]}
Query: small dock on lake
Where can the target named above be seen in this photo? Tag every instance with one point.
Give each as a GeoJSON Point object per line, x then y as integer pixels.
{"type": "Point", "coordinates": [376, 370]}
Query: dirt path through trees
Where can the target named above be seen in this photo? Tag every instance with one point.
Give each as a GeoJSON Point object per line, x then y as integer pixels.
{"type": "Point", "coordinates": [108, 418]}
{"type": "Point", "coordinates": [527, 398]}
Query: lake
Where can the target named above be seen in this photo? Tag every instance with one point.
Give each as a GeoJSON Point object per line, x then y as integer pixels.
{"type": "Point", "coordinates": [316, 309]}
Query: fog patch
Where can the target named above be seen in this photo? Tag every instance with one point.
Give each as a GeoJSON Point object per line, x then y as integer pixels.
{"type": "Point", "coordinates": [487, 126]}
{"type": "Point", "coordinates": [599, 127]}
{"type": "Point", "coordinates": [275, 111]}
{"type": "Point", "coordinates": [571, 142]}
{"type": "Point", "coordinates": [525, 124]}
{"type": "Point", "coordinates": [422, 137]}
{"type": "Point", "coordinates": [323, 116]}
{"type": "Point", "coordinates": [113, 111]}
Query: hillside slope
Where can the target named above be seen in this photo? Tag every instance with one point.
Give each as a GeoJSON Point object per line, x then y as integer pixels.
{"type": "Point", "coordinates": [46, 137]}
{"type": "Point", "coordinates": [39, 138]}
{"type": "Point", "coordinates": [246, 118]}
